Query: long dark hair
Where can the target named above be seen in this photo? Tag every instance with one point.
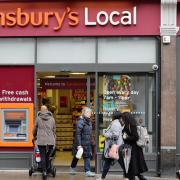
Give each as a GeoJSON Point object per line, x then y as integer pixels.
{"type": "Point", "coordinates": [128, 119]}
{"type": "Point", "coordinates": [116, 115]}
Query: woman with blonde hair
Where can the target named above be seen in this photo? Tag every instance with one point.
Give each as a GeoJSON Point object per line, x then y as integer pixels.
{"type": "Point", "coordinates": [83, 139]}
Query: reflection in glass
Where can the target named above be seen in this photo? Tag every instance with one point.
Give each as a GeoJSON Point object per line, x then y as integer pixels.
{"type": "Point", "coordinates": [126, 93]}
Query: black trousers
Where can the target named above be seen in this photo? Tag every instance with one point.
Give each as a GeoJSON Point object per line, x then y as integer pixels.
{"type": "Point", "coordinates": [44, 153]}
{"type": "Point", "coordinates": [86, 163]}
{"type": "Point", "coordinates": [107, 165]}
{"type": "Point", "coordinates": [74, 162]}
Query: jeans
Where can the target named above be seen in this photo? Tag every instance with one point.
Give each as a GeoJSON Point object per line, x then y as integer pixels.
{"type": "Point", "coordinates": [86, 163]}
{"type": "Point", "coordinates": [44, 153]}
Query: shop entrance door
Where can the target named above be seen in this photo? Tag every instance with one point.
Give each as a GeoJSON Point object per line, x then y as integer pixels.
{"type": "Point", "coordinates": [65, 94]}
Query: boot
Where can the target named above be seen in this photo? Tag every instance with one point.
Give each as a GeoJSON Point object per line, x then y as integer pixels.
{"type": "Point", "coordinates": [141, 177]}
{"type": "Point", "coordinates": [44, 175]}
{"type": "Point", "coordinates": [131, 177]}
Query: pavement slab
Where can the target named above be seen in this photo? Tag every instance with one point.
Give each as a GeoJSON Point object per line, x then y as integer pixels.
{"type": "Point", "coordinates": [23, 175]}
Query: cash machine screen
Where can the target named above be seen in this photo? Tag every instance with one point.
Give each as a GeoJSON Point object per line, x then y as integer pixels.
{"type": "Point", "coordinates": [15, 125]}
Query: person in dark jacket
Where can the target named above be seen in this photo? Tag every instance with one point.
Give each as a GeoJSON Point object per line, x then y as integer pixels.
{"type": "Point", "coordinates": [130, 136]}
{"type": "Point", "coordinates": [45, 133]}
{"type": "Point", "coordinates": [83, 139]}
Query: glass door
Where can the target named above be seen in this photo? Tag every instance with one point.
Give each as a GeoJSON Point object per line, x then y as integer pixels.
{"type": "Point", "coordinates": [65, 94]}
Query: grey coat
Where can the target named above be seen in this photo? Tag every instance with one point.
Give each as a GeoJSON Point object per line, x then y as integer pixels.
{"type": "Point", "coordinates": [114, 130]}
{"type": "Point", "coordinates": [45, 129]}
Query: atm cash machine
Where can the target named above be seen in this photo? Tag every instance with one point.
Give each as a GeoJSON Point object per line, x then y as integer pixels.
{"type": "Point", "coordinates": [16, 124]}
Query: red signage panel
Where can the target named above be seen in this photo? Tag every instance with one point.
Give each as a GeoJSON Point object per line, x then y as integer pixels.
{"type": "Point", "coordinates": [59, 83]}
{"type": "Point", "coordinates": [84, 18]}
{"type": "Point", "coordinates": [16, 84]}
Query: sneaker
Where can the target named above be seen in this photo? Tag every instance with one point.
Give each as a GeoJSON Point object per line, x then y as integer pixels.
{"type": "Point", "coordinates": [72, 171]}
{"type": "Point", "coordinates": [99, 178]}
{"type": "Point", "coordinates": [90, 174]}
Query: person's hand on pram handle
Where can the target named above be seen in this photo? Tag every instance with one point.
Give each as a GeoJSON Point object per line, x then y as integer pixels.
{"type": "Point", "coordinates": [34, 140]}
{"type": "Point", "coordinates": [53, 152]}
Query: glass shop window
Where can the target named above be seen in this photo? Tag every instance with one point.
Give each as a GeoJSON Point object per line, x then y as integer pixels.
{"type": "Point", "coordinates": [127, 93]}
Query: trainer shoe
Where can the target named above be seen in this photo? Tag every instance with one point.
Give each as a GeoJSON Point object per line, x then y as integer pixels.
{"type": "Point", "coordinates": [90, 174]}
{"type": "Point", "coordinates": [72, 171]}
{"type": "Point", "coordinates": [99, 178]}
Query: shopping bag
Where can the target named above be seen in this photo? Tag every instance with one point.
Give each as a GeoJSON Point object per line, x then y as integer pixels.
{"type": "Point", "coordinates": [108, 144]}
{"type": "Point", "coordinates": [114, 152]}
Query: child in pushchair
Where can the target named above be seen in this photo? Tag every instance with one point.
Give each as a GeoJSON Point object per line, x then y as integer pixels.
{"type": "Point", "coordinates": [36, 161]}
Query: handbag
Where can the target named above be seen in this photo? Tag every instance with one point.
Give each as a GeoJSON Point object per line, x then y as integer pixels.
{"type": "Point", "coordinates": [109, 142]}
{"type": "Point", "coordinates": [114, 152]}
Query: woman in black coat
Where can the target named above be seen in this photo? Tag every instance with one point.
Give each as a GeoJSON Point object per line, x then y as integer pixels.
{"type": "Point", "coordinates": [83, 140]}
{"type": "Point", "coordinates": [130, 136]}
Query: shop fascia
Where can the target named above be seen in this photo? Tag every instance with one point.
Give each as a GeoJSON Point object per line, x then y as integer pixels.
{"type": "Point", "coordinates": [23, 18]}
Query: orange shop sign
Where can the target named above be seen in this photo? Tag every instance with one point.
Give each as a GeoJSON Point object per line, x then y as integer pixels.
{"type": "Point", "coordinates": [22, 18]}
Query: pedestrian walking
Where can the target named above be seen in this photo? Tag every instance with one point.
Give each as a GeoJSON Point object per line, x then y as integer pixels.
{"type": "Point", "coordinates": [130, 137]}
{"type": "Point", "coordinates": [112, 133]}
{"type": "Point", "coordinates": [45, 133]}
{"type": "Point", "coordinates": [178, 174]}
{"type": "Point", "coordinates": [83, 141]}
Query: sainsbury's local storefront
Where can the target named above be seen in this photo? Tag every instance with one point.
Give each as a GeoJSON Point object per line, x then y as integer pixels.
{"type": "Point", "coordinates": [115, 44]}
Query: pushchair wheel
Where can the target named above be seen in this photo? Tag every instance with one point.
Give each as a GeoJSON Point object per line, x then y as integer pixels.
{"type": "Point", "coordinates": [30, 171]}
{"type": "Point", "coordinates": [54, 172]}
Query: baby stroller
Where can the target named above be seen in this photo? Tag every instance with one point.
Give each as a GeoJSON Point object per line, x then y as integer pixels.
{"type": "Point", "coordinates": [36, 162]}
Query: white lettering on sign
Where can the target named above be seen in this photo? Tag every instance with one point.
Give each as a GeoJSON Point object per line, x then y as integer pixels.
{"type": "Point", "coordinates": [87, 22]}
{"type": "Point", "coordinates": [22, 92]}
{"type": "Point", "coordinates": [5, 92]}
{"type": "Point", "coordinates": [15, 96]}
{"type": "Point", "coordinates": [106, 18]}
{"type": "Point", "coordinates": [125, 18]}
{"type": "Point", "coordinates": [114, 13]}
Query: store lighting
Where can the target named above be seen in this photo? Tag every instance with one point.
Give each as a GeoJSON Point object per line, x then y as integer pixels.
{"type": "Point", "coordinates": [77, 73]}
{"type": "Point", "coordinates": [49, 76]}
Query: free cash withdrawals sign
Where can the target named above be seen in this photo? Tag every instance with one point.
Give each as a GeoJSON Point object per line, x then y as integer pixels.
{"type": "Point", "coordinates": [16, 84]}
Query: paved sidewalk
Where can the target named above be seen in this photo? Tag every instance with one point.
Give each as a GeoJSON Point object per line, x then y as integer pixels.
{"type": "Point", "coordinates": [23, 175]}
